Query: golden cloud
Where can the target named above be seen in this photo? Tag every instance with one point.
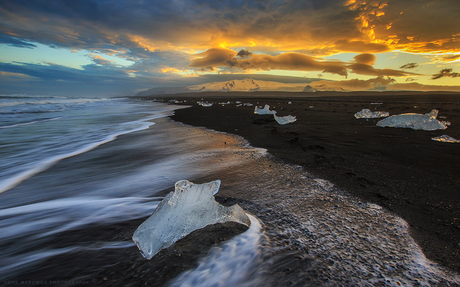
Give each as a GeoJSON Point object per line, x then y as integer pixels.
{"type": "Point", "coordinates": [222, 58]}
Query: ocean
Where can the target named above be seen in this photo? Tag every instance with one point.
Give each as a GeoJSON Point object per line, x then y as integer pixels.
{"type": "Point", "coordinates": [79, 174]}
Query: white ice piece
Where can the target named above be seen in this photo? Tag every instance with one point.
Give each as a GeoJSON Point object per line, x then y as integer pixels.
{"type": "Point", "coordinates": [284, 120]}
{"type": "Point", "coordinates": [264, 111]}
{"type": "Point", "coordinates": [247, 104]}
{"type": "Point", "coordinates": [446, 139]}
{"type": "Point", "coordinates": [190, 207]}
{"type": "Point", "coordinates": [204, 104]}
{"type": "Point", "coordinates": [367, 114]}
{"type": "Point", "coordinates": [427, 122]}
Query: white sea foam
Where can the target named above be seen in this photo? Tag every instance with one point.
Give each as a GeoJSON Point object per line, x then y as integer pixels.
{"type": "Point", "coordinates": [29, 123]}
{"type": "Point", "coordinates": [235, 263]}
{"type": "Point", "coordinates": [71, 213]}
{"type": "Point", "coordinates": [45, 164]}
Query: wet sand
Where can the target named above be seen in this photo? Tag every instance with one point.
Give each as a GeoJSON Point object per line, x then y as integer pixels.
{"type": "Point", "coordinates": [402, 170]}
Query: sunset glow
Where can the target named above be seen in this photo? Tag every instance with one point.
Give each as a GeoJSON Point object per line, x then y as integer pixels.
{"type": "Point", "coordinates": [51, 46]}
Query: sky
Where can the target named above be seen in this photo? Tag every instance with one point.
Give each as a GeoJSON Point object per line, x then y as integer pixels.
{"type": "Point", "coordinates": [117, 48]}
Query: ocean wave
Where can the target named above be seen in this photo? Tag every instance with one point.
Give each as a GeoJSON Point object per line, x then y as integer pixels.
{"type": "Point", "coordinates": [13, 181]}
{"type": "Point", "coordinates": [29, 123]}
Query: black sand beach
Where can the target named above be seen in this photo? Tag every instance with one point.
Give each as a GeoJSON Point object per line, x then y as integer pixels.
{"type": "Point", "coordinates": [402, 170]}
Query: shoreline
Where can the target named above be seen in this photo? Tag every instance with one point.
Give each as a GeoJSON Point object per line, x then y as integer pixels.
{"type": "Point", "coordinates": [402, 170]}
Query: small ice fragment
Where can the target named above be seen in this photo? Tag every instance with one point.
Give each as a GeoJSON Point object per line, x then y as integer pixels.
{"type": "Point", "coordinates": [204, 104]}
{"type": "Point", "coordinates": [367, 114]}
{"type": "Point", "coordinates": [239, 105]}
{"type": "Point", "coordinates": [247, 104]}
{"type": "Point", "coordinates": [376, 103]}
{"type": "Point", "coordinates": [427, 122]}
{"type": "Point", "coordinates": [223, 104]}
{"type": "Point", "coordinates": [289, 103]}
{"type": "Point", "coordinates": [237, 102]}
{"type": "Point", "coordinates": [285, 120]}
{"type": "Point", "coordinates": [264, 111]}
{"type": "Point", "coordinates": [446, 139]}
{"type": "Point", "coordinates": [311, 107]}
{"type": "Point", "coordinates": [188, 208]}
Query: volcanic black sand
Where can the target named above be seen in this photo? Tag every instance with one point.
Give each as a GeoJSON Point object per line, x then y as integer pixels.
{"type": "Point", "coordinates": [402, 170]}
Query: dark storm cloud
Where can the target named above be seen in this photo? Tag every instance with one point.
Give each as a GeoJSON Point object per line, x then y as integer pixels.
{"type": "Point", "coordinates": [409, 66]}
{"type": "Point", "coordinates": [94, 24]}
{"type": "Point", "coordinates": [11, 41]}
{"type": "Point", "coordinates": [445, 73]}
{"type": "Point", "coordinates": [53, 72]}
{"type": "Point", "coordinates": [244, 54]}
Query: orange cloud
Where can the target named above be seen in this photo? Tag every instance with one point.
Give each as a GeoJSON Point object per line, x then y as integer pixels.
{"type": "Point", "coordinates": [220, 57]}
{"type": "Point", "coordinates": [361, 46]}
{"type": "Point", "coordinates": [363, 66]}
{"type": "Point", "coordinates": [227, 59]}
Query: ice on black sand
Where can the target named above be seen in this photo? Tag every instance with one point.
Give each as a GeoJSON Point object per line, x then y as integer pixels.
{"type": "Point", "coordinates": [427, 122]}
{"type": "Point", "coordinates": [367, 114]}
{"type": "Point", "coordinates": [190, 207]}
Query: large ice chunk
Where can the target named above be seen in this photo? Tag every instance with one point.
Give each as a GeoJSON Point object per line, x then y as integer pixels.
{"type": "Point", "coordinates": [188, 208]}
{"type": "Point", "coordinates": [264, 111]}
{"type": "Point", "coordinates": [367, 114]}
{"type": "Point", "coordinates": [446, 139]}
{"type": "Point", "coordinates": [285, 120]}
{"type": "Point", "coordinates": [427, 122]}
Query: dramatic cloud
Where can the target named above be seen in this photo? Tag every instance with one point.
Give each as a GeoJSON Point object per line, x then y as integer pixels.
{"type": "Point", "coordinates": [445, 73]}
{"type": "Point", "coordinates": [221, 57]}
{"type": "Point", "coordinates": [415, 26]}
{"type": "Point", "coordinates": [100, 60]}
{"type": "Point", "coordinates": [244, 54]}
{"type": "Point", "coordinates": [166, 39]}
{"type": "Point", "coordinates": [409, 66]}
{"type": "Point", "coordinates": [363, 66]}
{"type": "Point", "coordinates": [360, 46]}
{"type": "Point", "coordinates": [12, 41]}
{"type": "Point", "coordinates": [446, 58]}
{"type": "Point", "coordinates": [348, 26]}
{"type": "Point", "coordinates": [367, 59]}
{"type": "Point", "coordinates": [216, 58]}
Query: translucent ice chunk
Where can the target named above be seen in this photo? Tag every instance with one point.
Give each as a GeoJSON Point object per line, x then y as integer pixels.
{"type": "Point", "coordinates": [204, 104]}
{"type": "Point", "coordinates": [264, 111]}
{"type": "Point", "coordinates": [190, 207]}
{"type": "Point", "coordinates": [285, 120]}
{"type": "Point", "coordinates": [446, 139]}
{"type": "Point", "coordinates": [427, 122]}
{"type": "Point", "coordinates": [367, 114]}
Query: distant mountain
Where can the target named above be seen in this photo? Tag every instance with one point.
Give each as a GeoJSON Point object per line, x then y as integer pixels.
{"type": "Point", "coordinates": [245, 85]}
{"type": "Point", "coordinates": [309, 89]}
{"type": "Point", "coordinates": [162, 91]}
